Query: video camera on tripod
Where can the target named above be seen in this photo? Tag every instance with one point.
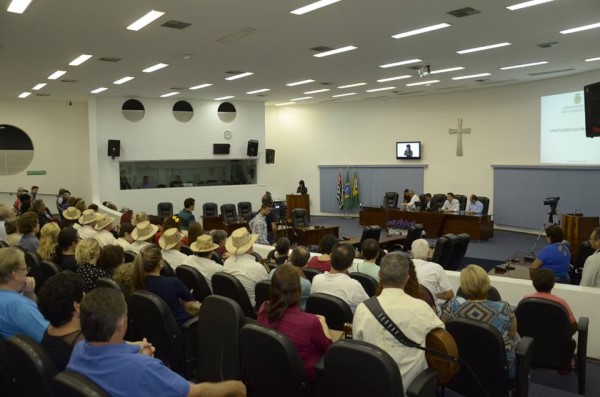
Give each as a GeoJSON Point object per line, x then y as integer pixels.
{"type": "Point", "coordinates": [553, 203]}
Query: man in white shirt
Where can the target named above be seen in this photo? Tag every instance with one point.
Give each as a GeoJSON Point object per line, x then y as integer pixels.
{"type": "Point", "coordinates": [475, 206]}
{"type": "Point", "coordinates": [413, 316]}
{"type": "Point", "coordinates": [336, 282]}
{"type": "Point", "coordinates": [88, 223]}
{"type": "Point", "coordinates": [412, 203]}
{"type": "Point", "coordinates": [204, 248]}
{"type": "Point", "coordinates": [591, 270]}
{"type": "Point", "coordinates": [170, 242]}
{"type": "Point", "coordinates": [451, 205]}
{"type": "Point", "coordinates": [431, 275]}
{"type": "Point", "coordinates": [370, 251]}
{"type": "Point", "coordinates": [104, 225]}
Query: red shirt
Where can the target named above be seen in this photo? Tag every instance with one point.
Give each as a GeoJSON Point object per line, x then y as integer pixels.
{"type": "Point", "coordinates": [315, 263]}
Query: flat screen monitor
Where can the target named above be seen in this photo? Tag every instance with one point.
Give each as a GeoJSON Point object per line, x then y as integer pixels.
{"type": "Point", "coordinates": [408, 150]}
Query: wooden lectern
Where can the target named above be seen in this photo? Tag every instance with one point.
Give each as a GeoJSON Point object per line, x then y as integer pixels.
{"type": "Point", "coordinates": [293, 201]}
{"type": "Point", "coordinates": [577, 229]}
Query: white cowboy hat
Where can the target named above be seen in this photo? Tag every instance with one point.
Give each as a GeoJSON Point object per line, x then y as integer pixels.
{"type": "Point", "coordinates": [170, 238]}
{"type": "Point", "coordinates": [204, 243]}
{"type": "Point", "coordinates": [143, 231]}
{"type": "Point", "coordinates": [240, 241]}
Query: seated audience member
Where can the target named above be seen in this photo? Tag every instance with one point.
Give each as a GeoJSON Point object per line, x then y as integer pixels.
{"type": "Point", "coordinates": [18, 312]}
{"type": "Point", "coordinates": [93, 207]}
{"type": "Point", "coordinates": [411, 315]}
{"type": "Point", "coordinates": [59, 302]}
{"type": "Point", "coordinates": [170, 222]}
{"type": "Point", "coordinates": [241, 264]}
{"type": "Point", "coordinates": [124, 276]}
{"type": "Point", "coordinates": [336, 281]}
{"type": "Point", "coordinates": [146, 276]}
{"type": "Point", "coordinates": [556, 256]}
{"type": "Point", "coordinates": [70, 216]}
{"type": "Point", "coordinates": [139, 217]}
{"type": "Point", "coordinates": [429, 204]}
{"type": "Point", "coordinates": [48, 241]}
{"type": "Point", "coordinates": [39, 208]}
{"type": "Point", "coordinates": [29, 226]}
{"type": "Point", "coordinates": [170, 242]}
{"type": "Point", "coordinates": [412, 202]}
{"type": "Point", "coordinates": [591, 269]}
{"type": "Point", "coordinates": [475, 207]}
{"type": "Point", "coordinates": [62, 200]}
{"type": "Point", "coordinates": [25, 203]}
{"type": "Point", "coordinates": [475, 285]}
{"type": "Point", "coordinates": [299, 258]}
{"type": "Point", "coordinates": [258, 224]}
{"type": "Point", "coordinates": [281, 252]}
{"type": "Point", "coordinates": [405, 197]}
{"type": "Point", "coordinates": [370, 252]}
{"type": "Point", "coordinates": [323, 262]}
{"type": "Point", "coordinates": [125, 239]}
{"type": "Point", "coordinates": [7, 213]}
{"type": "Point", "coordinates": [142, 236]}
{"type": "Point", "coordinates": [104, 227]}
{"type": "Point", "coordinates": [219, 237]}
{"type": "Point", "coordinates": [20, 192]}
{"type": "Point", "coordinates": [87, 253]}
{"type": "Point", "coordinates": [203, 249]}
{"type": "Point", "coordinates": [13, 237]}
{"type": "Point", "coordinates": [431, 275]}
{"type": "Point", "coordinates": [64, 255]}
{"type": "Point", "coordinates": [186, 215]}
{"type": "Point", "coordinates": [111, 257]}
{"type": "Point", "coordinates": [308, 332]}
{"type": "Point", "coordinates": [451, 205]}
{"type": "Point", "coordinates": [88, 224]}
{"type": "Point", "coordinates": [195, 230]}
{"type": "Point", "coordinates": [72, 202]}
{"type": "Point", "coordinates": [129, 370]}
{"type": "Point", "coordinates": [110, 205]}
{"type": "Point", "coordinates": [543, 282]}
{"type": "Point", "coordinates": [127, 215]}
{"type": "Point", "coordinates": [412, 286]}
{"type": "Point", "coordinates": [81, 205]}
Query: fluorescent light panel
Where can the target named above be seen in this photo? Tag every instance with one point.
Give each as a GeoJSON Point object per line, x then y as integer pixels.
{"type": "Point", "coordinates": [197, 87]}
{"type": "Point", "coordinates": [145, 20]}
{"type": "Point", "coordinates": [98, 90]}
{"type": "Point", "coordinates": [258, 91]}
{"type": "Point", "coordinates": [156, 67]}
{"type": "Point", "coordinates": [224, 97]}
{"type": "Point", "coordinates": [299, 83]}
{"type": "Point", "coordinates": [422, 30]}
{"type": "Point", "coordinates": [423, 83]}
{"type": "Point", "coordinates": [56, 74]}
{"type": "Point", "coordinates": [169, 94]}
{"type": "Point", "coordinates": [406, 76]}
{"type": "Point", "coordinates": [24, 94]}
{"type": "Point", "coordinates": [446, 70]}
{"type": "Point", "coordinates": [587, 60]}
{"type": "Point", "coordinates": [581, 28]}
{"type": "Point", "coordinates": [526, 4]}
{"type": "Point", "coordinates": [341, 95]}
{"type": "Point", "coordinates": [124, 80]}
{"type": "Point", "coordinates": [284, 103]}
{"type": "Point", "coordinates": [487, 47]}
{"type": "Point", "coordinates": [239, 76]}
{"type": "Point", "coordinates": [39, 86]}
{"type": "Point", "coordinates": [316, 91]}
{"type": "Point", "coordinates": [472, 76]}
{"type": "Point", "coordinates": [352, 85]}
{"type": "Point", "coordinates": [525, 65]}
{"type": "Point", "coordinates": [313, 6]}
{"type": "Point", "coordinates": [301, 98]}
{"type": "Point", "coordinates": [80, 59]}
{"type": "Point", "coordinates": [381, 89]}
{"type": "Point", "coordinates": [336, 51]}
{"type": "Point", "coordinates": [407, 62]}
{"type": "Point", "coordinates": [18, 7]}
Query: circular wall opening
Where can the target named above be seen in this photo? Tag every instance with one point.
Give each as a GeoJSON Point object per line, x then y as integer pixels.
{"type": "Point", "coordinates": [133, 110]}
{"type": "Point", "coordinates": [16, 150]}
{"type": "Point", "coordinates": [227, 112]}
{"type": "Point", "coordinates": [183, 111]}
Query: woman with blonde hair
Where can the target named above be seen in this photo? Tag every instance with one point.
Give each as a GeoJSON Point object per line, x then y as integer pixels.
{"type": "Point", "coordinates": [87, 253]}
{"type": "Point", "coordinates": [48, 241]}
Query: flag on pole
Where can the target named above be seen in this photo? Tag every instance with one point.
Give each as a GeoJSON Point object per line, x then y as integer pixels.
{"type": "Point", "coordinates": [355, 198]}
{"type": "Point", "coordinates": [347, 190]}
{"type": "Point", "coordinates": [340, 191]}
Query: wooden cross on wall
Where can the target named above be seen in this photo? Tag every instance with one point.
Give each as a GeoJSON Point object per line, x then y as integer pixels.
{"type": "Point", "coordinates": [459, 131]}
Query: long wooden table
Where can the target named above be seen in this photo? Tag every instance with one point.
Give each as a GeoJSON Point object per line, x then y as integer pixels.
{"type": "Point", "coordinates": [310, 235]}
{"type": "Point", "coordinates": [435, 224]}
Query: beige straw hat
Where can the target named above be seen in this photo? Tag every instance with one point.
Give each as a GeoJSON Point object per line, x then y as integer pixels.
{"type": "Point", "coordinates": [87, 217]}
{"type": "Point", "coordinates": [204, 243]}
{"type": "Point", "coordinates": [143, 231]}
{"type": "Point", "coordinates": [170, 238]}
{"type": "Point", "coordinates": [240, 241]}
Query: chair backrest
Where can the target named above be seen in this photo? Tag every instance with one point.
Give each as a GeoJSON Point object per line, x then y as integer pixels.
{"type": "Point", "coordinates": [299, 217]}
{"type": "Point", "coordinates": [48, 269]}
{"type": "Point", "coordinates": [390, 199]}
{"type": "Point", "coordinates": [7, 382]}
{"type": "Point", "coordinates": [335, 310]}
{"type": "Point", "coordinates": [167, 270]}
{"type": "Point", "coordinates": [228, 212]}
{"type": "Point", "coordinates": [184, 249]}
{"type": "Point", "coordinates": [458, 252]}
{"type": "Point", "coordinates": [443, 249]}
{"type": "Point", "coordinates": [30, 366]}
{"type": "Point", "coordinates": [422, 200]}
{"type": "Point", "coordinates": [244, 209]}
{"type": "Point", "coordinates": [373, 232]}
{"type": "Point", "coordinates": [261, 292]}
{"type": "Point", "coordinates": [130, 256]}
{"type": "Point", "coordinates": [368, 283]}
{"type": "Point", "coordinates": [486, 204]}
{"type": "Point", "coordinates": [105, 282]}
{"type": "Point", "coordinates": [374, 372]}
{"type": "Point", "coordinates": [439, 198]}
{"type": "Point", "coordinates": [413, 233]}
{"type": "Point", "coordinates": [462, 200]}
{"type": "Point", "coordinates": [493, 294]}
{"type": "Point", "coordinates": [194, 281]}
{"type": "Point", "coordinates": [164, 209]}
{"type": "Point", "coordinates": [220, 320]}
{"type": "Point", "coordinates": [487, 358]}
{"type": "Point", "coordinates": [73, 384]}
{"type": "Point", "coordinates": [33, 261]}
{"type": "Point", "coordinates": [309, 272]}
{"type": "Point", "coordinates": [210, 209]}
{"type": "Point", "coordinates": [150, 317]}
{"type": "Point", "coordinates": [424, 290]}
{"type": "Point", "coordinates": [227, 285]}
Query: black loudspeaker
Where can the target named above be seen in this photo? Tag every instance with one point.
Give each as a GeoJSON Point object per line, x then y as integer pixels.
{"type": "Point", "coordinates": [221, 148]}
{"type": "Point", "coordinates": [270, 157]}
{"type": "Point", "coordinates": [592, 110]}
{"type": "Point", "coordinates": [114, 148]}
{"type": "Point", "coordinates": [252, 148]}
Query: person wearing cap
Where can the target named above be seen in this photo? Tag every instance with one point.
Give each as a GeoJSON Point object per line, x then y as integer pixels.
{"type": "Point", "coordinates": [125, 238]}
{"type": "Point", "coordinates": [170, 242]}
{"type": "Point", "coordinates": [88, 223]}
{"type": "Point", "coordinates": [7, 213]}
{"type": "Point", "coordinates": [104, 225]}
{"type": "Point", "coordinates": [70, 216]}
{"type": "Point", "coordinates": [142, 236]}
{"type": "Point", "coordinates": [241, 264]}
{"type": "Point", "coordinates": [203, 249]}
{"type": "Point", "coordinates": [186, 215]}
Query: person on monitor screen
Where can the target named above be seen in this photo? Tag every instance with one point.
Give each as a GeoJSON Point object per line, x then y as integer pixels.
{"type": "Point", "coordinates": [302, 189]}
{"type": "Point", "coordinates": [408, 153]}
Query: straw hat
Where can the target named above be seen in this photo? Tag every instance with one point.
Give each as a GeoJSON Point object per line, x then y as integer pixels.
{"type": "Point", "coordinates": [144, 230]}
{"type": "Point", "coordinates": [170, 238]}
{"type": "Point", "coordinates": [71, 214]}
{"type": "Point", "coordinates": [240, 241]}
{"type": "Point", "coordinates": [103, 220]}
{"type": "Point", "coordinates": [88, 216]}
{"type": "Point", "coordinates": [204, 243]}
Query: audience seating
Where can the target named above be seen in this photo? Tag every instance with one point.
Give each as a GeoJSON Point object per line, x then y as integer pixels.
{"type": "Point", "coordinates": [390, 199]}
{"type": "Point", "coordinates": [493, 294]}
{"type": "Point", "coordinates": [47, 270]}
{"type": "Point", "coordinates": [229, 213]}
{"type": "Point", "coordinates": [164, 209]}
{"type": "Point", "coordinates": [443, 249]}
{"type": "Point", "coordinates": [310, 272]}
{"type": "Point", "coordinates": [422, 200]}
{"type": "Point", "coordinates": [458, 252]}
{"type": "Point", "coordinates": [372, 231]}
{"type": "Point", "coordinates": [271, 363]}
{"type": "Point", "coordinates": [167, 270]}
{"type": "Point", "coordinates": [194, 281]}
{"type": "Point", "coordinates": [130, 256]}
{"type": "Point", "coordinates": [261, 292]}
{"type": "Point", "coordinates": [369, 283]}
{"type": "Point", "coordinates": [487, 365]}
{"type": "Point", "coordinates": [300, 217]}
{"type": "Point", "coordinates": [227, 285]}
{"type": "Point", "coordinates": [335, 310]}
{"type": "Point", "coordinates": [30, 365]}
{"type": "Point", "coordinates": [414, 233]}
{"type": "Point", "coordinates": [73, 384]}
{"type": "Point", "coordinates": [548, 323]}
{"type": "Point", "coordinates": [425, 290]}
{"type": "Point", "coordinates": [462, 199]}
{"type": "Point", "coordinates": [184, 249]}
{"type": "Point", "coordinates": [244, 209]}
{"type": "Point", "coordinates": [7, 382]}
{"type": "Point", "coordinates": [105, 282]}
{"type": "Point", "coordinates": [33, 260]}
{"type": "Point", "coordinates": [209, 209]}
{"type": "Point", "coordinates": [486, 205]}
{"type": "Point", "coordinates": [357, 368]}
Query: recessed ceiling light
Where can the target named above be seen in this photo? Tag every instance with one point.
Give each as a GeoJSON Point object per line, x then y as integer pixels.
{"type": "Point", "coordinates": [446, 70]}
{"type": "Point", "coordinates": [24, 94]}
{"type": "Point", "coordinates": [581, 28]}
{"type": "Point", "coordinates": [301, 99]}
{"type": "Point", "coordinates": [124, 80]}
{"type": "Point", "coordinates": [526, 4]}
{"type": "Point", "coordinates": [391, 65]}
{"type": "Point", "coordinates": [472, 76]}
{"type": "Point", "coordinates": [381, 89]}
{"type": "Point", "coordinates": [197, 87]}
{"type": "Point", "coordinates": [422, 30]}
{"type": "Point", "coordinates": [80, 59]}
{"type": "Point", "coordinates": [352, 85]}
{"type": "Point", "coordinates": [284, 103]}
{"type": "Point", "coordinates": [239, 76]}
{"type": "Point", "coordinates": [406, 76]}
{"type": "Point", "coordinates": [258, 91]}
{"type": "Point", "coordinates": [423, 83]}
{"type": "Point", "coordinates": [56, 74]}
{"type": "Point", "coordinates": [169, 94]}
{"type": "Point", "coordinates": [299, 83]}
{"type": "Point", "coordinates": [145, 20]}
{"type": "Point", "coordinates": [587, 60]}
{"type": "Point", "coordinates": [39, 86]}
{"type": "Point", "coordinates": [313, 6]}
{"type": "Point", "coordinates": [156, 67]}
{"type": "Point", "coordinates": [487, 47]}
{"type": "Point", "coordinates": [525, 65]}
{"type": "Point", "coordinates": [316, 91]}
{"type": "Point", "coordinates": [98, 90]}
{"type": "Point", "coordinates": [224, 97]}
{"type": "Point", "coordinates": [341, 95]}
{"type": "Point", "coordinates": [335, 51]}
{"type": "Point", "coordinates": [18, 6]}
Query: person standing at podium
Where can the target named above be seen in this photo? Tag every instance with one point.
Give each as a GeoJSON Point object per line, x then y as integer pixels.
{"type": "Point", "coordinates": [302, 189]}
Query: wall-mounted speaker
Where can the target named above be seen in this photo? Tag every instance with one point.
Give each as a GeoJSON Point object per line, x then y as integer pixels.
{"type": "Point", "coordinates": [252, 148]}
{"type": "Point", "coordinates": [114, 148]}
{"type": "Point", "coordinates": [270, 156]}
{"type": "Point", "coordinates": [221, 148]}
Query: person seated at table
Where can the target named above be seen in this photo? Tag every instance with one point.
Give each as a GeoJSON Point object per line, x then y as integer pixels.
{"type": "Point", "coordinates": [556, 256]}
{"type": "Point", "coordinates": [323, 262]}
{"type": "Point", "coordinates": [370, 252]}
{"type": "Point", "coordinates": [405, 196]}
{"type": "Point", "coordinates": [451, 205]}
{"type": "Point", "coordinates": [281, 252]}
{"type": "Point", "coordinates": [413, 200]}
{"type": "Point", "coordinates": [430, 204]}
{"type": "Point", "coordinates": [475, 206]}
{"type": "Point", "coordinates": [308, 332]}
